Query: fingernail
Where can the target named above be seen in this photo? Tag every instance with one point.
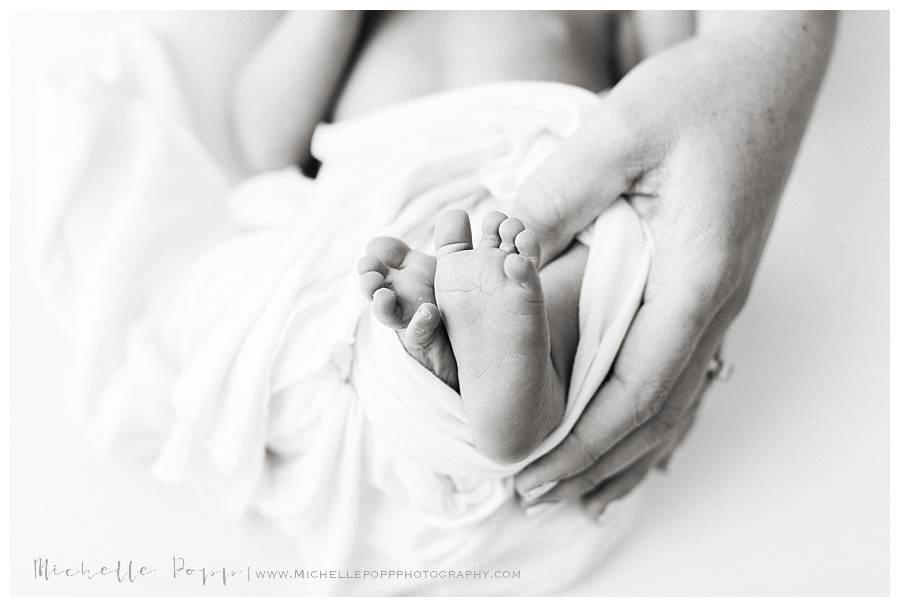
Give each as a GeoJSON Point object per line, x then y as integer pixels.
{"type": "Point", "coordinates": [535, 492]}
{"type": "Point", "coordinates": [536, 509]}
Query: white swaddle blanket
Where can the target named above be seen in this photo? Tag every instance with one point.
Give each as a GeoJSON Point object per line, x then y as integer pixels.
{"type": "Point", "coordinates": [220, 335]}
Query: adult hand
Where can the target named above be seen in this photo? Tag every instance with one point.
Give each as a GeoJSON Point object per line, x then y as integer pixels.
{"type": "Point", "coordinates": [700, 140]}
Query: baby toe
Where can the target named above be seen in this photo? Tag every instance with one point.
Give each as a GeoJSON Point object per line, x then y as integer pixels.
{"type": "Point", "coordinates": [420, 331]}
{"type": "Point", "coordinates": [490, 229]}
{"type": "Point", "coordinates": [390, 251]}
{"type": "Point", "coordinates": [369, 282]}
{"type": "Point", "coordinates": [509, 229]}
{"type": "Point", "coordinates": [520, 269]}
{"type": "Point", "coordinates": [368, 263]}
{"type": "Point", "coordinates": [527, 244]}
{"type": "Point", "coordinates": [452, 233]}
{"type": "Point", "coordinates": [384, 306]}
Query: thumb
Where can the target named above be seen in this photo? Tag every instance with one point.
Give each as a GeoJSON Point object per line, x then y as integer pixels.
{"type": "Point", "coordinates": [583, 177]}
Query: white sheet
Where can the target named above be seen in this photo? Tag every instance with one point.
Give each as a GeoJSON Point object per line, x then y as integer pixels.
{"type": "Point", "coordinates": [220, 335]}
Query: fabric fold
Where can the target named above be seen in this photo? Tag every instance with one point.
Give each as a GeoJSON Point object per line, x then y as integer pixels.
{"type": "Point", "coordinates": [219, 333]}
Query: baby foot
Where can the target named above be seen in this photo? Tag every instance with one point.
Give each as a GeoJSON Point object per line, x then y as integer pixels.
{"type": "Point", "coordinates": [400, 284]}
{"type": "Point", "coordinates": [493, 307]}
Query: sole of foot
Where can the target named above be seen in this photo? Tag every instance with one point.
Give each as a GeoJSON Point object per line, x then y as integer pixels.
{"type": "Point", "coordinates": [492, 303]}
{"type": "Point", "coordinates": [400, 284]}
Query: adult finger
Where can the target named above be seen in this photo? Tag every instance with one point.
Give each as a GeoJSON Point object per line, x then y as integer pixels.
{"type": "Point", "coordinates": [665, 458]}
{"type": "Point", "coordinates": [660, 432]}
{"type": "Point", "coordinates": [585, 175]}
{"type": "Point", "coordinates": [691, 417]}
{"type": "Point", "coordinates": [657, 347]}
{"type": "Point", "coordinates": [619, 486]}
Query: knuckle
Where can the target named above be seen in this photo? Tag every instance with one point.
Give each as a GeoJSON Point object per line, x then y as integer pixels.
{"type": "Point", "coordinates": [724, 275]}
{"type": "Point", "coordinates": [726, 284]}
{"type": "Point", "coordinates": [594, 477]}
{"type": "Point", "coordinates": [707, 285]}
{"type": "Point", "coordinates": [635, 477]}
{"type": "Point", "coordinates": [708, 293]}
{"type": "Point", "coordinates": [713, 262]}
{"type": "Point", "coordinates": [649, 399]}
{"type": "Point", "coordinates": [739, 299]}
{"type": "Point", "coordinates": [603, 469]}
{"type": "Point", "coordinates": [582, 449]}
{"type": "Point", "coordinates": [660, 434]}
{"type": "Point", "coordinates": [693, 302]}
{"type": "Point", "coordinates": [581, 485]}
{"type": "Point", "coordinates": [594, 505]}
{"type": "Point", "coordinates": [662, 426]}
{"type": "Point", "coordinates": [697, 311]}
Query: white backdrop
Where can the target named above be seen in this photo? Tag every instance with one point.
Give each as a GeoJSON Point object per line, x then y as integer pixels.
{"type": "Point", "coordinates": [781, 489]}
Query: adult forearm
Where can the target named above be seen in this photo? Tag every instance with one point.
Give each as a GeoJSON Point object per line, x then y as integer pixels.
{"type": "Point", "coordinates": [776, 60]}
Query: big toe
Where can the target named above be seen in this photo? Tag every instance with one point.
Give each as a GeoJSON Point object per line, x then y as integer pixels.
{"type": "Point", "coordinates": [452, 233]}
{"type": "Point", "coordinates": [390, 251]}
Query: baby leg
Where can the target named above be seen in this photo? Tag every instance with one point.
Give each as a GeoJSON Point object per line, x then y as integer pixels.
{"type": "Point", "coordinates": [562, 279]}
